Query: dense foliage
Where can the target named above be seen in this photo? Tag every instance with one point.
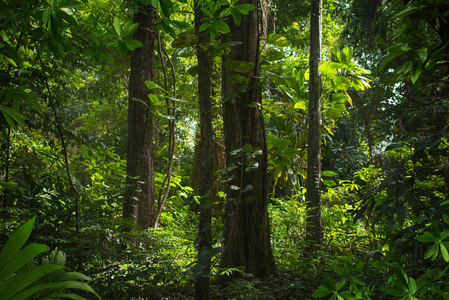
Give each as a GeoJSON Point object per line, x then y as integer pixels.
{"type": "Point", "coordinates": [65, 67]}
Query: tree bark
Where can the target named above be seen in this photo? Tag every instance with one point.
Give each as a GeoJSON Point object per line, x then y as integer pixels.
{"type": "Point", "coordinates": [247, 235]}
{"type": "Point", "coordinates": [139, 203]}
{"type": "Point", "coordinates": [206, 171]}
{"type": "Point", "coordinates": [313, 194]}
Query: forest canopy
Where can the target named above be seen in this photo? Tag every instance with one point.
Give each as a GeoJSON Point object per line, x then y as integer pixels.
{"type": "Point", "coordinates": [179, 149]}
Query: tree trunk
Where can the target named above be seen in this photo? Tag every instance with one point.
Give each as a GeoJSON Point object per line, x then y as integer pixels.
{"type": "Point", "coordinates": [139, 203]}
{"type": "Point", "coordinates": [247, 234]}
{"type": "Point", "coordinates": [206, 171]}
{"type": "Point", "coordinates": [313, 196]}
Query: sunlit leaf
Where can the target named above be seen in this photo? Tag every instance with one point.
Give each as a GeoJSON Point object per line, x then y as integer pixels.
{"type": "Point", "coordinates": [327, 70]}
{"type": "Point", "coordinates": [300, 105]}
{"type": "Point", "coordinates": [328, 173]}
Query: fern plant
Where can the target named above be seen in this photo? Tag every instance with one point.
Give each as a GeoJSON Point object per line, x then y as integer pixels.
{"type": "Point", "coordinates": [21, 278]}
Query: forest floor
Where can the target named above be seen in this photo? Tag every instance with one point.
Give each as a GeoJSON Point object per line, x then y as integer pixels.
{"type": "Point", "coordinates": [280, 286]}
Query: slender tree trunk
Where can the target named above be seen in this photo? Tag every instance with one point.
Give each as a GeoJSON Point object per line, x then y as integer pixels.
{"type": "Point", "coordinates": [313, 196]}
{"type": "Point", "coordinates": [247, 235]}
{"type": "Point", "coordinates": [206, 172]}
{"type": "Point", "coordinates": [139, 203]}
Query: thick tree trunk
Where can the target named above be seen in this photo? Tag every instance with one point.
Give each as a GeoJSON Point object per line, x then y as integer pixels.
{"type": "Point", "coordinates": [247, 235]}
{"type": "Point", "coordinates": [313, 196]}
{"type": "Point", "coordinates": [206, 171]}
{"type": "Point", "coordinates": [139, 203]}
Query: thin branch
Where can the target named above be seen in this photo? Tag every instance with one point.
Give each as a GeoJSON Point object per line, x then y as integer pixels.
{"type": "Point", "coordinates": [64, 148]}
{"type": "Point", "coordinates": [171, 142]}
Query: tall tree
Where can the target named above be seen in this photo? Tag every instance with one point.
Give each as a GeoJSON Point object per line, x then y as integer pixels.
{"type": "Point", "coordinates": [206, 146]}
{"type": "Point", "coordinates": [313, 197]}
{"type": "Point", "coordinates": [247, 235]}
{"type": "Point", "coordinates": [139, 203]}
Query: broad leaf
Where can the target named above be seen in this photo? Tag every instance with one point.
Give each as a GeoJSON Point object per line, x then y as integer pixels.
{"type": "Point", "coordinates": [238, 66]}
{"type": "Point", "coordinates": [16, 241]}
{"type": "Point", "coordinates": [393, 292]}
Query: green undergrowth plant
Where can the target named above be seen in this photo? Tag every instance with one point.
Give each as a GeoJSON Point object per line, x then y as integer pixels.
{"type": "Point", "coordinates": [287, 217]}
{"type": "Point", "coordinates": [350, 286]}
{"type": "Point", "coordinates": [21, 278]}
{"type": "Point", "coordinates": [405, 281]}
{"type": "Point", "coordinates": [145, 263]}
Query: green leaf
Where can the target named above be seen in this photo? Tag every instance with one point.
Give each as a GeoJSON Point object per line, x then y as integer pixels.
{"type": "Point", "coordinates": [329, 182]}
{"type": "Point", "coordinates": [56, 286]}
{"type": "Point", "coordinates": [17, 283]}
{"type": "Point", "coordinates": [444, 252]}
{"type": "Point", "coordinates": [387, 59]}
{"type": "Point", "coordinates": [117, 26]}
{"type": "Point", "coordinates": [358, 281]}
{"type": "Point", "coordinates": [328, 173]}
{"type": "Point", "coordinates": [415, 72]}
{"type": "Point", "coordinates": [204, 26]}
{"type": "Point", "coordinates": [393, 146]}
{"type": "Point", "coordinates": [245, 8]}
{"type": "Point", "coordinates": [334, 112]}
{"type": "Point", "coordinates": [426, 237]}
{"type": "Point", "coordinates": [347, 54]}
{"type": "Point", "coordinates": [393, 292]}
{"type": "Point", "coordinates": [67, 296]}
{"type": "Point", "coordinates": [322, 292]}
{"type": "Point", "coordinates": [16, 241]}
{"type": "Point", "coordinates": [238, 66]}
{"type": "Point", "coordinates": [180, 24]}
{"type": "Point", "coordinates": [338, 270]}
{"type": "Point", "coordinates": [329, 283]}
{"type": "Point", "coordinates": [123, 49]}
{"type": "Point", "coordinates": [213, 29]}
{"type": "Point", "coordinates": [66, 17]}
{"type": "Point", "coordinates": [327, 70]}
{"type": "Point", "coordinates": [20, 259]}
{"type": "Point", "coordinates": [300, 105]}
{"type": "Point", "coordinates": [132, 44]}
{"type": "Point", "coordinates": [380, 265]}
{"type": "Point", "coordinates": [154, 99]}
{"type": "Point", "coordinates": [252, 167]}
{"type": "Point", "coordinates": [431, 252]}
{"type": "Point", "coordinates": [11, 116]}
{"type": "Point", "coordinates": [420, 55]}
{"type": "Point", "coordinates": [339, 98]}
{"type": "Point", "coordinates": [129, 28]}
{"type": "Point", "coordinates": [152, 85]}
{"type": "Point", "coordinates": [46, 15]}
{"type": "Point", "coordinates": [277, 40]}
{"type": "Point", "coordinates": [359, 267]}
{"type": "Point", "coordinates": [247, 188]}
{"type": "Point", "coordinates": [445, 219]}
{"type": "Point", "coordinates": [274, 55]}
{"type": "Point", "coordinates": [412, 285]}
{"type": "Point", "coordinates": [236, 16]}
{"type": "Point", "coordinates": [206, 12]}
{"type": "Point", "coordinates": [222, 27]}
{"type": "Point", "coordinates": [166, 7]}
{"type": "Point", "coordinates": [69, 4]}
